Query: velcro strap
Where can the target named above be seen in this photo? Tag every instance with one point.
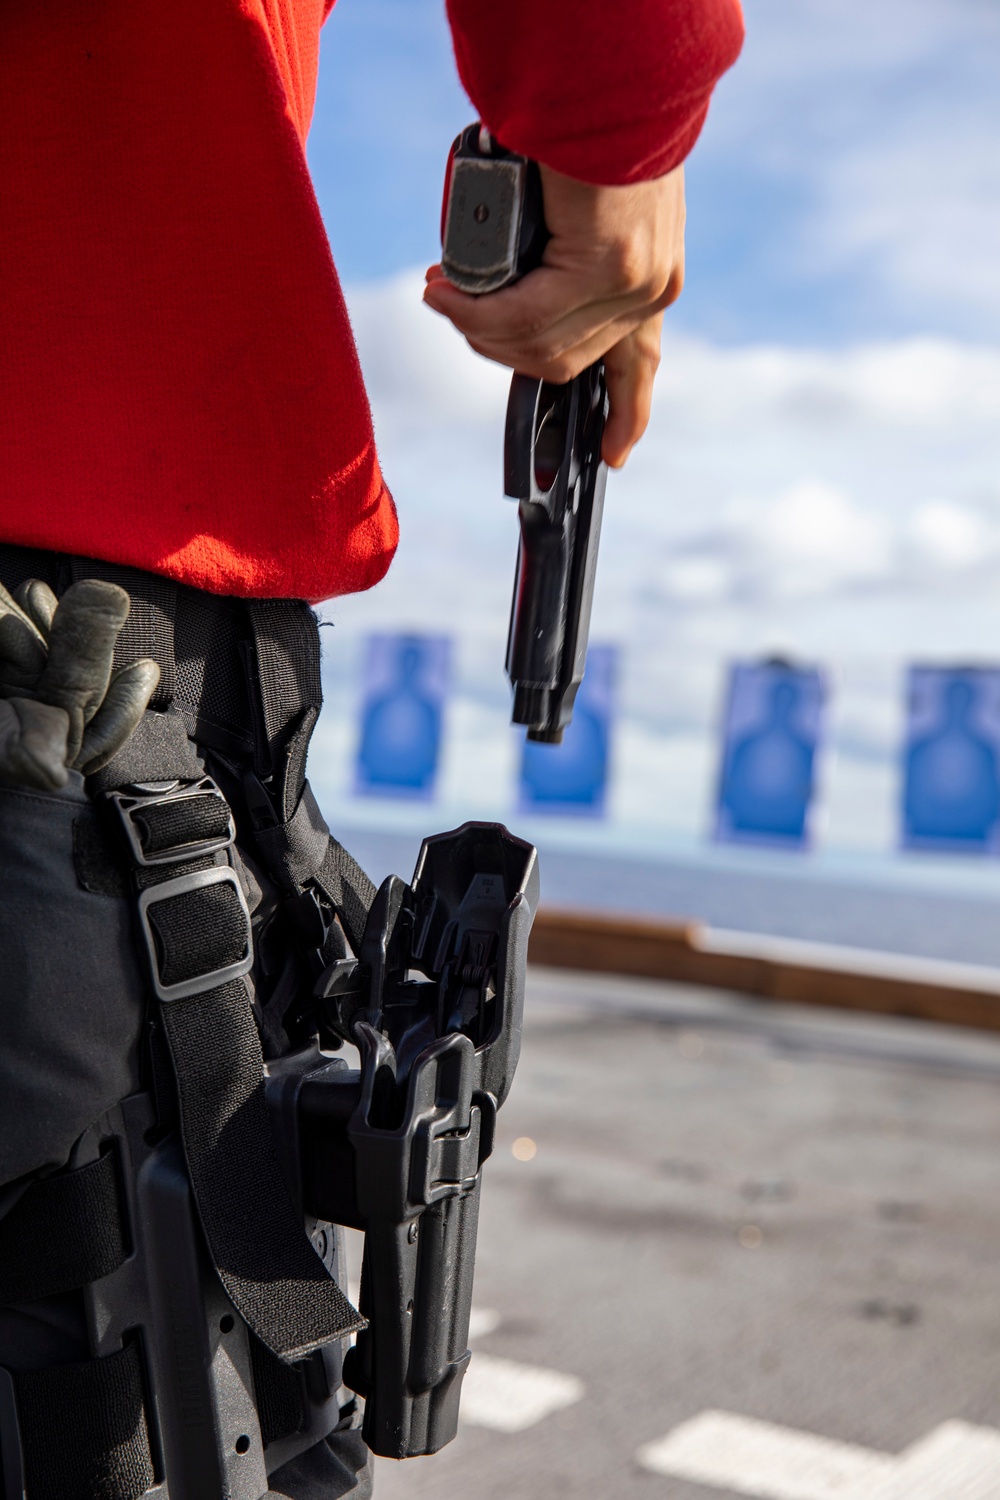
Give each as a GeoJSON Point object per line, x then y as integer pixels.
{"type": "Point", "coordinates": [295, 850]}
{"type": "Point", "coordinates": [257, 1241]}
{"type": "Point", "coordinates": [342, 879]}
{"type": "Point", "coordinates": [278, 1388]}
{"type": "Point", "coordinates": [288, 675]}
{"type": "Point", "coordinates": [62, 1232]}
{"type": "Point", "coordinates": [304, 850]}
{"type": "Point", "coordinates": [197, 930]}
{"type": "Point", "coordinates": [84, 1434]}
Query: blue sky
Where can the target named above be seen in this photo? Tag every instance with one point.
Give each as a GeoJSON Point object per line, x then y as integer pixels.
{"type": "Point", "coordinates": [821, 478]}
{"type": "Point", "coordinates": [389, 105]}
{"type": "Point", "coordinates": [847, 185]}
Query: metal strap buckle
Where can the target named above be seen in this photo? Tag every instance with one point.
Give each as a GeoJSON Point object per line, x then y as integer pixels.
{"type": "Point", "coordinates": [127, 804]}
{"type": "Point", "coordinates": [194, 880]}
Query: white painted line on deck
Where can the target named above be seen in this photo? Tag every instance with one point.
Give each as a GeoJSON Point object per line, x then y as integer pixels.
{"type": "Point", "coordinates": [509, 1397]}
{"type": "Point", "coordinates": [483, 1320]}
{"type": "Point", "coordinates": [955, 1462]}
{"type": "Point", "coordinates": [757, 1458]}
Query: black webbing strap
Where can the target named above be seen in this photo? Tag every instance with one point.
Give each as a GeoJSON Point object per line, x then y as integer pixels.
{"type": "Point", "coordinates": [83, 1428]}
{"type": "Point", "coordinates": [62, 1232]}
{"type": "Point", "coordinates": [158, 750]}
{"type": "Point", "coordinates": [198, 936]}
{"type": "Point", "coordinates": [149, 629]}
{"type": "Point", "coordinates": [165, 825]}
{"type": "Point", "coordinates": [303, 850]}
{"type": "Point", "coordinates": [287, 670]}
{"type": "Point", "coordinates": [197, 932]}
{"type": "Point", "coordinates": [257, 1241]}
{"type": "Point", "coordinates": [342, 879]}
{"type": "Point", "coordinates": [278, 1388]}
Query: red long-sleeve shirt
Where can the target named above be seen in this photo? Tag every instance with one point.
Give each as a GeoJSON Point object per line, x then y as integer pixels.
{"type": "Point", "coordinates": [179, 387]}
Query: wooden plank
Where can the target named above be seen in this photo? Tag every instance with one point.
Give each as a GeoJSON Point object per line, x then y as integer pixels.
{"type": "Point", "coordinates": [683, 952]}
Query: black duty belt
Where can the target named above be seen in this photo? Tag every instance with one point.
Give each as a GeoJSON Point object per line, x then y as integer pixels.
{"type": "Point", "coordinates": [243, 673]}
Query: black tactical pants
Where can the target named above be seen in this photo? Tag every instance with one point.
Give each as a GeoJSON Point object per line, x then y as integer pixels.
{"type": "Point", "coordinates": [73, 998]}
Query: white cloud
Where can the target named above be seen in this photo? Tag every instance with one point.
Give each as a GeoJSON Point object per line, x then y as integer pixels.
{"type": "Point", "coordinates": [921, 209]}
{"type": "Point", "coordinates": [868, 134]}
{"type": "Point", "coordinates": [837, 506]}
{"type": "Point", "coordinates": [950, 536]}
{"type": "Point", "coordinates": [816, 525]}
{"type": "Point", "coordinates": [414, 364]}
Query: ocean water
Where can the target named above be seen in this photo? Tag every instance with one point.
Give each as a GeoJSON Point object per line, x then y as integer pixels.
{"type": "Point", "coordinates": [920, 907]}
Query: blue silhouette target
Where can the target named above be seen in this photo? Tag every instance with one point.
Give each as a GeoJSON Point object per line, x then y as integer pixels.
{"type": "Point", "coordinates": [773, 728]}
{"type": "Point", "coordinates": [406, 683]}
{"type": "Point", "coordinates": [951, 796]}
{"type": "Point", "coordinates": [571, 779]}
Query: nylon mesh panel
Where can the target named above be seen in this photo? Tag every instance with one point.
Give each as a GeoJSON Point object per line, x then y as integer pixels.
{"type": "Point", "coordinates": [149, 629]}
{"type": "Point", "coordinates": [211, 674]}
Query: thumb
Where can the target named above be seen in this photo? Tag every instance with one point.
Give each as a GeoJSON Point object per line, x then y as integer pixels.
{"type": "Point", "coordinates": [85, 628]}
{"type": "Point", "coordinates": [118, 716]}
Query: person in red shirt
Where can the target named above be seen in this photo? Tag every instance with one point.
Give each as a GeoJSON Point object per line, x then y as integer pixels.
{"type": "Point", "coordinates": [179, 389]}
{"type": "Point", "coordinates": [182, 414]}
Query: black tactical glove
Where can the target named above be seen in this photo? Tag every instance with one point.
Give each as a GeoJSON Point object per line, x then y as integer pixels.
{"type": "Point", "coordinates": [60, 706]}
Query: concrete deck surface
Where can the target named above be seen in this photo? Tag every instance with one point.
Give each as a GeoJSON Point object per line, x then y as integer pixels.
{"type": "Point", "coordinates": [772, 1213]}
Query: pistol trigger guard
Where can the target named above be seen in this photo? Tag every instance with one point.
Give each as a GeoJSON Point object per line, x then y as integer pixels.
{"type": "Point", "coordinates": [542, 458]}
{"type": "Point", "coordinates": [519, 436]}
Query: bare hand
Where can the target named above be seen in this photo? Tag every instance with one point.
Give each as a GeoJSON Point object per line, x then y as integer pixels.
{"type": "Point", "coordinates": [614, 262]}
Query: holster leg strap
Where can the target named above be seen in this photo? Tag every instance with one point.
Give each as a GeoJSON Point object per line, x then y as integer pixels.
{"type": "Point", "coordinates": [62, 1232]}
{"type": "Point", "coordinates": [77, 1432]}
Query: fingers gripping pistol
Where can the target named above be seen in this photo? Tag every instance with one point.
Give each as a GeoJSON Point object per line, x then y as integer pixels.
{"type": "Point", "coordinates": [493, 233]}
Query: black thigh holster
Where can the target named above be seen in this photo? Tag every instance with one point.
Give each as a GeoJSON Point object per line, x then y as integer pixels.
{"type": "Point", "coordinates": [200, 1216]}
{"type": "Point", "coordinates": [181, 1399]}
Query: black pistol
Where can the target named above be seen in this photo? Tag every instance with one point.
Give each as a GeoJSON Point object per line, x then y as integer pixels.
{"type": "Point", "coordinates": [493, 232]}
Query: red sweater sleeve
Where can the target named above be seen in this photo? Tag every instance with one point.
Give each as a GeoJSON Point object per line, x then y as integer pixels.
{"type": "Point", "coordinates": [604, 92]}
